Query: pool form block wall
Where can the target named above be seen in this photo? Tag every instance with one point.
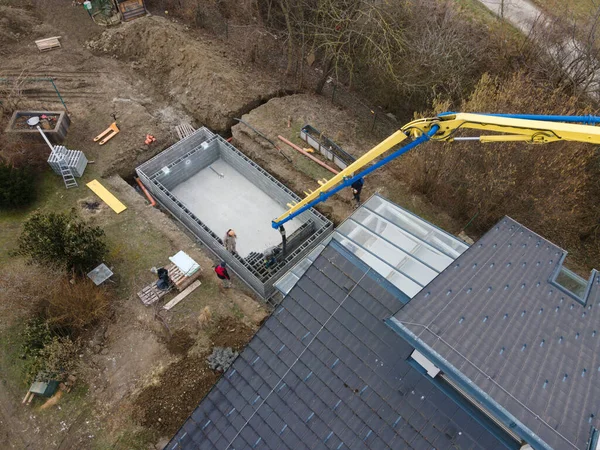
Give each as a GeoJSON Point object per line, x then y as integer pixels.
{"type": "Point", "coordinates": [210, 186]}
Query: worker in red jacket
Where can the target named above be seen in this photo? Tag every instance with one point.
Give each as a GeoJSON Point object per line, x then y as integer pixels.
{"type": "Point", "coordinates": [221, 271]}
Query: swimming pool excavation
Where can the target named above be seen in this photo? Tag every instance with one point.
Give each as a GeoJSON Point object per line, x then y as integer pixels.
{"type": "Point", "coordinates": [210, 187]}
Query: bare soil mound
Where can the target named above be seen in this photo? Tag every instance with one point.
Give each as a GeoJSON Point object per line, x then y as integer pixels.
{"type": "Point", "coordinates": [213, 87]}
{"type": "Point", "coordinates": [164, 407]}
{"type": "Point", "coordinates": [180, 342]}
{"type": "Point", "coordinates": [301, 174]}
{"type": "Point", "coordinates": [229, 332]}
{"type": "Point", "coordinates": [15, 24]}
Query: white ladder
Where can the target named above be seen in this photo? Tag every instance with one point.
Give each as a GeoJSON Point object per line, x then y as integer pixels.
{"type": "Point", "coordinates": [67, 174]}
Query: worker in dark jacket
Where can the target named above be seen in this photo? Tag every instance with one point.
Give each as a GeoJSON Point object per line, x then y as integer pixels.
{"type": "Point", "coordinates": [221, 271]}
{"type": "Point", "coordinates": [356, 190]}
{"type": "Point", "coordinates": [163, 283]}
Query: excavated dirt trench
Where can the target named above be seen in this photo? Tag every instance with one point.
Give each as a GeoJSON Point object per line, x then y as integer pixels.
{"type": "Point", "coordinates": [213, 85]}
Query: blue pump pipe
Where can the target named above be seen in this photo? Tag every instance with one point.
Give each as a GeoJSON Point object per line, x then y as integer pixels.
{"type": "Point", "coordinates": [348, 181]}
{"type": "Point", "coordinates": [586, 120]}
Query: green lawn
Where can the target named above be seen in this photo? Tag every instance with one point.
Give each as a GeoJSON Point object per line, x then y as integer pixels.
{"type": "Point", "coordinates": [12, 365]}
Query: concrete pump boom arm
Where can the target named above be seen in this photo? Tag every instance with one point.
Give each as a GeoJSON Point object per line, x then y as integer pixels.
{"type": "Point", "coordinates": [534, 129]}
{"type": "Point", "coordinates": [527, 128]}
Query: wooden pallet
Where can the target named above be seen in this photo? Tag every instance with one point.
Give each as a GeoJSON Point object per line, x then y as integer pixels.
{"type": "Point", "coordinates": [48, 44]}
{"type": "Point", "coordinates": [151, 294]}
{"type": "Point", "coordinates": [132, 9]}
{"type": "Point", "coordinates": [179, 279]}
{"type": "Point", "coordinates": [184, 130]}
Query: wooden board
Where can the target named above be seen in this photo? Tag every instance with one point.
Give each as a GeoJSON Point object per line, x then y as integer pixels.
{"type": "Point", "coordinates": [178, 278]}
{"type": "Point", "coordinates": [48, 43]}
{"type": "Point", "coordinates": [106, 196]}
{"type": "Point", "coordinates": [183, 295]}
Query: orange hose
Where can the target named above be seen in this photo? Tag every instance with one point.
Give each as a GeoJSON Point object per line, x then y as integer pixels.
{"type": "Point", "coordinates": [145, 191]}
{"type": "Point", "coordinates": [318, 161]}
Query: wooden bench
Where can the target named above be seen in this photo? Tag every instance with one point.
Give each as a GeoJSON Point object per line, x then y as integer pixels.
{"type": "Point", "coordinates": [48, 44]}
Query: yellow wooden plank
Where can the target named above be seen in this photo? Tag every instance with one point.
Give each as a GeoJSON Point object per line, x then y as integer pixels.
{"type": "Point", "coordinates": [106, 196]}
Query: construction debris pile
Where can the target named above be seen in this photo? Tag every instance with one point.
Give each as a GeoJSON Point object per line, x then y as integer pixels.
{"type": "Point", "coordinates": [221, 358]}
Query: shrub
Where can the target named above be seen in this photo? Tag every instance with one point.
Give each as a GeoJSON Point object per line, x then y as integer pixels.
{"type": "Point", "coordinates": [552, 188]}
{"type": "Point", "coordinates": [17, 187]}
{"type": "Point", "coordinates": [75, 306]}
{"type": "Point", "coordinates": [62, 240]}
{"type": "Point", "coordinates": [46, 355]}
{"type": "Point", "coordinates": [59, 358]}
{"type": "Point", "coordinates": [36, 335]}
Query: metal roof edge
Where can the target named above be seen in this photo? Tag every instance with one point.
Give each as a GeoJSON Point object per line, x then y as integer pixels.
{"type": "Point", "coordinates": [593, 441]}
{"type": "Point", "coordinates": [531, 231]}
{"type": "Point", "coordinates": [468, 386]}
{"type": "Point", "coordinates": [379, 279]}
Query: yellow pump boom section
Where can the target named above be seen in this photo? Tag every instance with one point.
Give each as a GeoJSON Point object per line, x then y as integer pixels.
{"type": "Point", "coordinates": [533, 129]}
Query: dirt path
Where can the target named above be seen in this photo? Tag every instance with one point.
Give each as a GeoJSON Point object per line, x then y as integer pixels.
{"type": "Point", "coordinates": [570, 54]}
{"type": "Point", "coordinates": [521, 13]}
{"type": "Point", "coordinates": [15, 427]}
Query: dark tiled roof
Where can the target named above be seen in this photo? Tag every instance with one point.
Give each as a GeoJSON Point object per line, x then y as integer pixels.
{"type": "Point", "coordinates": [496, 317]}
{"type": "Point", "coordinates": [325, 371]}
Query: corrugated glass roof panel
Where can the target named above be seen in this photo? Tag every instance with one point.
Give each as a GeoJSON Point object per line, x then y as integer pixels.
{"type": "Point", "coordinates": [405, 249]}
{"type": "Point", "coordinates": [416, 226]}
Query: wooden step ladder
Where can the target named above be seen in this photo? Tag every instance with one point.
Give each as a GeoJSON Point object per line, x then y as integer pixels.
{"type": "Point", "coordinates": [67, 174]}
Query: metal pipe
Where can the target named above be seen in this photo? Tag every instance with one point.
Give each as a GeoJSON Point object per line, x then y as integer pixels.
{"type": "Point", "coordinates": [45, 138]}
{"type": "Point", "coordinates": [59, 96]}
{"type": "Point", "coordinates": [308, 155]}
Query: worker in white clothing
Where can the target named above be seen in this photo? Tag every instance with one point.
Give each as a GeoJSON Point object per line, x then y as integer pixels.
{"type": "Point", "coordinates": [230, 241]}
